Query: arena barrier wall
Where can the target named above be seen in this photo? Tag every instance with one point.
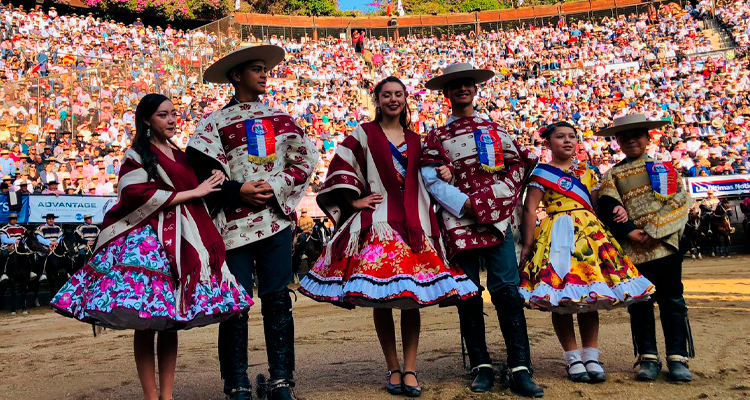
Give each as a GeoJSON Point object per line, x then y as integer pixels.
{"type": "Point", "coordinates": [264, 26]}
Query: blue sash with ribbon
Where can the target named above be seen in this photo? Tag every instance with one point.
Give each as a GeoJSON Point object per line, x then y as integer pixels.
{"type": "Point", "coordinates": [399, 161]}
{"type": "Point", "coordinates": [556, 179]}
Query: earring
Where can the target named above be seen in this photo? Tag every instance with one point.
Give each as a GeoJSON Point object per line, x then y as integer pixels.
{"type": "Point", "coordinates": [148, 132]}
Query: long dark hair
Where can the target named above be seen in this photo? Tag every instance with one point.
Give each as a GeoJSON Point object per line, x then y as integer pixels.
{"type": "Point", "coordinates": [142, 142]}
{"type": "Point", "coordinates": [405, 117]}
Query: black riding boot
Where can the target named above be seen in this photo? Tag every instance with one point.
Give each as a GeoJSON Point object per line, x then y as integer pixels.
{"type": "Point", "coordinates": [643, 327]}
{"type": "Point", "coordinates": [509, 305]}
{"type": "Point", "coordinates": [233, 357]}
{"type": "Point", "coordinates": [674, 322]}
{"type": "Point", "coordinates": [278, 326]}
{"type": "Point", "coordinates": [471, 317]}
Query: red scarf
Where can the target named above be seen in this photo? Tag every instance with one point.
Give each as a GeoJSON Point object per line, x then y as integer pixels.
{"type": "Point", "coordinates": [407, 224]}
{"type": "Point", "coordinates": [351, 172]}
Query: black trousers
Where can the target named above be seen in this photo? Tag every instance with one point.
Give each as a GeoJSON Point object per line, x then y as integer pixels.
{"type": "Point", "coordinates": [271, 260]}
{"type": "Point", "coordinates": [666, 275]}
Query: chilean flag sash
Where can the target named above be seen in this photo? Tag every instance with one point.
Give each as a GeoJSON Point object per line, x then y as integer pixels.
{"type": "Point", "coordinates": [261, 141]}
{"type": "Point", "coordinates": [490, 149]}
{"type": "Point", "coordinates": [663, 178]}
{"type": "Point", "coordinates": [556, 179]}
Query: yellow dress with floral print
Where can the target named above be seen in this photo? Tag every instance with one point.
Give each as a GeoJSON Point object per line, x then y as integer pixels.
{"type": "Point", "coordinates": [598, 276]}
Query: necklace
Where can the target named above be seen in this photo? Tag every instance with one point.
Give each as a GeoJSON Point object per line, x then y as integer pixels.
{"type": "Point", "coordinates": [393, 132]}
{"type": "Point", "coordinates": [158, 146]}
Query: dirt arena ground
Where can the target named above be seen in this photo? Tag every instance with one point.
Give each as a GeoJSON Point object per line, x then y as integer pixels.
{"type": "Point", "coordinates": [44, 356]}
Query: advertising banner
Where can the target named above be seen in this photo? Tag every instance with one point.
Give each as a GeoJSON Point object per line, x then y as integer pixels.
{"type": "Point", "coordinates": [69, 209]}
{"type": "Point", "coordinates": [22, 211]}
{"type": "Point", "coordinates": [723, 185]}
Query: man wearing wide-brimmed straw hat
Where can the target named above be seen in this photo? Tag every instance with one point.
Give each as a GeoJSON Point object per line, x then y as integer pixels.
{"type": "Point", "coordinates": [268, 162]}
{"type": "Point", "coordinates": [651, 195]}
{"type": "Point", "coordinates": [488, 170]}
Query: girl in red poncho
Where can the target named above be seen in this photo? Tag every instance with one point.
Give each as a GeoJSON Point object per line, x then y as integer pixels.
{"type": "Point", "coordinates": [159, 263]}
{"type": "Point", "coordinates": [386, 252]}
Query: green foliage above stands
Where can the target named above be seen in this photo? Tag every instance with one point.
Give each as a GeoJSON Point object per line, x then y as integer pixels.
{"type": "Point", "coordinates": [294, 7]}
{"type": "Point", "coordinates": [168, 9]}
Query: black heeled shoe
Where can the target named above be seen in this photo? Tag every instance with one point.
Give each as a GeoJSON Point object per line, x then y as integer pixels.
{"type": "Point", "coordinates": [396, 389]}
{"type": "Point", "coordinates": [411, 391]}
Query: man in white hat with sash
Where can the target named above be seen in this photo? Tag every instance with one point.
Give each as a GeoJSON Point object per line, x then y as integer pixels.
{"type": "Point", "coordinates": [651, 195]}
{"type": "Point", "coordinates": [488, 171]}
{"type": "Point", "coordinates": [268, 161]}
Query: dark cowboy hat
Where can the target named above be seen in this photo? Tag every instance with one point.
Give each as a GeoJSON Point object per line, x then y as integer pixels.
{"type": "Point", "coordinates": [50, 215]}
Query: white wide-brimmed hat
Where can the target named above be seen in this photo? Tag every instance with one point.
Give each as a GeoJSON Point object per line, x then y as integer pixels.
{"type": "Point", "coordinates": [631, 122]}
{"type": "Point", "coordinates": [458, 71]}
{"type": "Point", "coordinates": [270, 55]}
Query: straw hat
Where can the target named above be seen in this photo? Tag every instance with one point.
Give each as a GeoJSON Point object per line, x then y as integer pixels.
{"type": "Point", "coordinates": [271, 55]}
{"type": "Point", "coordinates": [458, 71]}
{"type": "Point", "coordinates": [631, 122]}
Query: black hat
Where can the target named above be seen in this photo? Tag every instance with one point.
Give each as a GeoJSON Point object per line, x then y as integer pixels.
{"type": "Point", "coordinates": [50, 215]}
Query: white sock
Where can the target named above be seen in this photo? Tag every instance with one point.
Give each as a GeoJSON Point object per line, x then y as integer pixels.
{"type": "Point", "coordinates": [592, 354]}
{"type": "Point", "coordinates": [572, 356]}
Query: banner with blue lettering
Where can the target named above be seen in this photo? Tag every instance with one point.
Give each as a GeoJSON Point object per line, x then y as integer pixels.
{"type": "Point", "coordinates": [69, 209]}
{"type": "Point", "coordinates": [722, 185]}
{"type": "Point", "coordinates": [22, 211]}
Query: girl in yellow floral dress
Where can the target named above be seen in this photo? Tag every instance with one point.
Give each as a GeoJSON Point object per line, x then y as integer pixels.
{"type": "Point", "coordinates": [571, 264]}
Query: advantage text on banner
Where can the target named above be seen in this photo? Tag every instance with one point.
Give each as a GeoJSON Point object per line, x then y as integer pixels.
{"type": "Point", "coordinates": [69, 209]}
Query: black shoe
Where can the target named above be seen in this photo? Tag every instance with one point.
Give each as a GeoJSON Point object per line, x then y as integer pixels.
{"type": "Point", "coordinates": [240, 394]}
{"type": "Point", "coordinates": [394, 389]}
{"type": "Point", "coordinates": [522, 384]}
{"type": "Point", "coordinates": [647, 367]}
{"type": "Point", "coordinates": [282, 393]}
{"type": "Point", "coordinates": [678, 369]}
{"type": "Point", "coordinates": [484, 378]}
{"type": "Point", "coordinates": [411, 391]}
{"type": "Point", "coordinates": [581, 377]}
{"type": "Point", "coordinates": [595, 376]}
{"type": "Point", "coordinates": [279, 389]}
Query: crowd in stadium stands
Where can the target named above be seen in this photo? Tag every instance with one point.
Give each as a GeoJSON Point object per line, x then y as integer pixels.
{"type": "Point", "coordinates": [736, 17]}
{"type": "Point", "coordinates": [69, 85]}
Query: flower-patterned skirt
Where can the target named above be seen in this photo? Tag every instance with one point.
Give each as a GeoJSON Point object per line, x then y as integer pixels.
{"type": "Point", "coordinates": [600, 275]}
{"type": "Point", "coordinates": [128, 285]}
{"type": "Point", "coordinates": [387, 273]}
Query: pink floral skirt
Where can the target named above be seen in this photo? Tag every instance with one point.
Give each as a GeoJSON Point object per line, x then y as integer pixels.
{"type": "Point", "coordinates": [128, 285]}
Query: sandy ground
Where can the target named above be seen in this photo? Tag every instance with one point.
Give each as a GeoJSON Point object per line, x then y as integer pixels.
{"type": "Point", "coordinates": [45, 356]}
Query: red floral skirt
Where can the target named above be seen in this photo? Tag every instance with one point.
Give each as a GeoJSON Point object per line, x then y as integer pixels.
{"type": "Point", "coordinates": [387, 273]}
